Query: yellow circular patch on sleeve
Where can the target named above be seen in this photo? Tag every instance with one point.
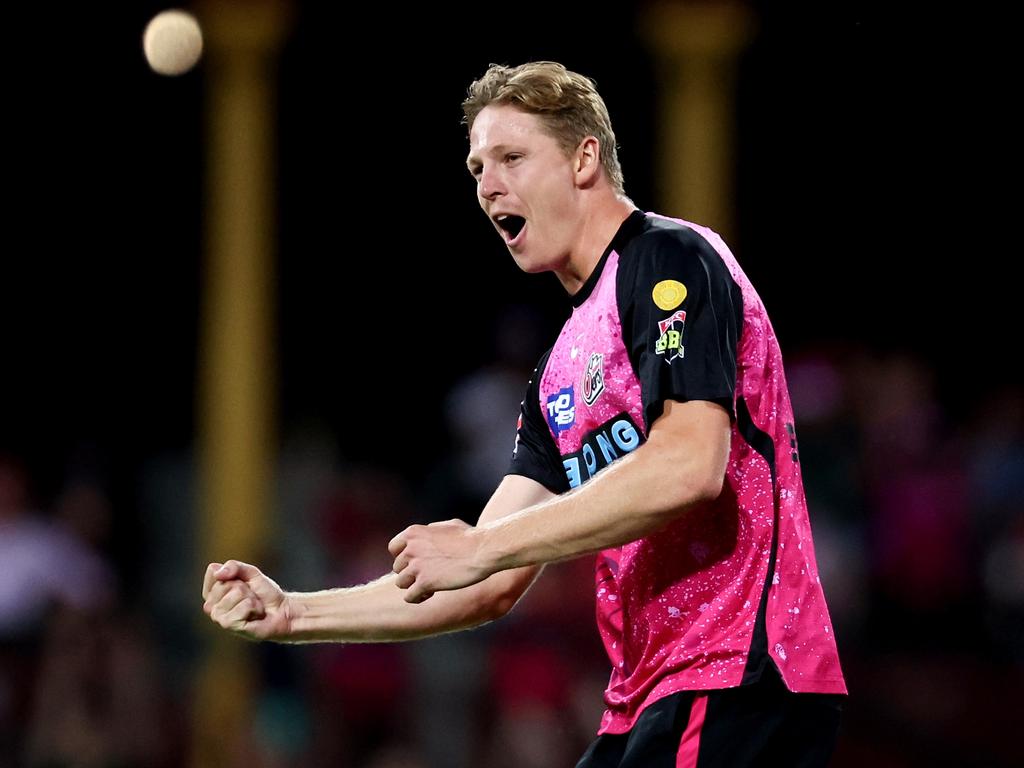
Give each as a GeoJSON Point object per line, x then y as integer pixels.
{"type": "Point", "coordinates": [668, 294]}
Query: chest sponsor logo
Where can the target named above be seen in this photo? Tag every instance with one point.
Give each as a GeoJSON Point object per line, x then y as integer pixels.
{"type": "Point", "coordinates": [593, 378]}
{"type": "Point", "coordinates": [670, 338]}
{"type": "Point", "coordinates": [668, 294]}
{"type": "Point", "coordinates": [603, 445]}
{"type": "Point", "coordinates": [561, 408]}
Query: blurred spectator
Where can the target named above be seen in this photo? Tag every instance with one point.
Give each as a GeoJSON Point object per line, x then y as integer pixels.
{"type": "Point", "coordinates": [921, 518]}
{"type": "Point", "coordinates": [279, 733]}
{"type": "Point", "coordinates": [395, 756]}
{"type": "Point", "coordinates": [535, 736]}
{"type": "Point", "coordinates": [829, 443]}
{"type": "Point", "coordinates": [97, 700]}
{"type": "Point", "coordinates": [542, 657]}
{"type": "Point", "coordinates": [46, 566]}
{"type": "Point", "coordinates": [43, 562]}
{"type": "Point", "coordinates": [360, 693]}
{"type": "Point", "coordinates": [480, 415]}
{"type": "Point", "coordinates": [996, 463]}
{"type": "Point", "coordinates": [450, 671]}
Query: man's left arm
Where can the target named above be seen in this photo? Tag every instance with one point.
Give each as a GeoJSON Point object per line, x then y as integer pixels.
{"type": "Point", "coordinates": [682, 464]}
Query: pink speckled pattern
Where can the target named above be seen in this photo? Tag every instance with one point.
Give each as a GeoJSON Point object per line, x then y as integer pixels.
{"type": "Point", "coordinates": [676, 610]}
{"type": "Point", "coordinates": [593, 327]}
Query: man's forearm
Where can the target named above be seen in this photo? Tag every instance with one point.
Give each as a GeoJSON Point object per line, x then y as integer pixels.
{"type": "Point", "coordinates": [377, 612]}
{"type": "Point", "coordinates": [633, 497]}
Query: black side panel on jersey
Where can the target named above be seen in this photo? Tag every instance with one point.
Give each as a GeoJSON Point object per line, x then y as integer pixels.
{"type": "Point", "coordinates": [761, 442]}
{"type": "Point", "coordinates": [681, 315]}
{"type": "Point", "coordinates": [535, 455]}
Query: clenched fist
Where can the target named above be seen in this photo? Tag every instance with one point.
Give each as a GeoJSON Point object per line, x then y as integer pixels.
{"type": "Point", "coordinates": [240, 598]}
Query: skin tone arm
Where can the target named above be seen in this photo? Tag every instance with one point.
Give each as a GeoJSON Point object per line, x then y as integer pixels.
{"type": "Point", "coordinates": [682, 463]}
{"type": "Point", "coordinates": [243, 600]}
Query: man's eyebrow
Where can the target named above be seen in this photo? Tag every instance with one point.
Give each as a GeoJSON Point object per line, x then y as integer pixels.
{"type": "Point", "coordinates": [497, 149]}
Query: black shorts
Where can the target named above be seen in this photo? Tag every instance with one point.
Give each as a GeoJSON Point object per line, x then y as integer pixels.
{"type": "Point", "coordinates": [760, 724]}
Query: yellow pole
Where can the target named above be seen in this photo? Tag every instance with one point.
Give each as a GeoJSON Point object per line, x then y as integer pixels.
{"type": "Point", "coordinates": [237, 381]}
{"type": "Point", "coordinates": [697, 47]}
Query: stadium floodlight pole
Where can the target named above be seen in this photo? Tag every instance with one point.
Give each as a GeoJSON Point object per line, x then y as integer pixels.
{"type": "Point", "coordinates": [697, 49]}
{"type": "Point", "coordinates": [236, 386]}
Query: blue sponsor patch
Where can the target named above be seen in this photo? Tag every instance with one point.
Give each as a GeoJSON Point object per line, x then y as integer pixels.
{"type": "Point", "coordinates": [561, 408]}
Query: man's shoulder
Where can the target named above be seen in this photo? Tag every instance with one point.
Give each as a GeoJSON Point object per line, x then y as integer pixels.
{"type": "Point", "coordinates": [672, 240]}
{"type": "Point", "coordinates": [666, 231]}
{"type": "Point", "coordinates": [666, 245]}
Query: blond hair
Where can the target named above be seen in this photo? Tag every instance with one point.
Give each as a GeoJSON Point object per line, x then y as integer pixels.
{"type": "Point", "coordinates": [567, 103]}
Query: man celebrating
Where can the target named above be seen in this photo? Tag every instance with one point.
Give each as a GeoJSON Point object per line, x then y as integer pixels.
{"type": "Point", "coordinates": [656, 432]}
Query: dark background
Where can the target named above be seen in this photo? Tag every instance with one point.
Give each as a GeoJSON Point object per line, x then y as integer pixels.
{"type": "Point", "coordinates": [873, 197]}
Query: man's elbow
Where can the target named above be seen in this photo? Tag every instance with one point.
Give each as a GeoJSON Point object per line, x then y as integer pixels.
{"type": "Point", "coordinates": [702, 485]}
{"type": "Point", "coordinates": [710, 486]}
{"type": "Point", "coordinates": [501, 606]}
{"type": "Point", "coordinates": [495, 606]}
{"type": "Point", "coordinates": [505, 589]}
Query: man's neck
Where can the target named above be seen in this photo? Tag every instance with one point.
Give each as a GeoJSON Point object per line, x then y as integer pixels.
{"type": "Point", "coordinates": [597, 230]}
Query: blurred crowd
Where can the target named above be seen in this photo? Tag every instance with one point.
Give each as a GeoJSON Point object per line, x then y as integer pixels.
{"type": "Point", "coordinates": [917, 507]}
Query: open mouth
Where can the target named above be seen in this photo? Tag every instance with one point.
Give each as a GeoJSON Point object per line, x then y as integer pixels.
{"type": "Point", "coordinates": [512, 226]}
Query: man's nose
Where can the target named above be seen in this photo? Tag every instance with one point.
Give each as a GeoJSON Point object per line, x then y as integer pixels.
{"type": "Point", "coordinates": [491, 184]}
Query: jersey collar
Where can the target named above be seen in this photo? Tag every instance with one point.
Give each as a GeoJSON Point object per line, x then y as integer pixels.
{"type": "Point", "coordinates": [627, 231]}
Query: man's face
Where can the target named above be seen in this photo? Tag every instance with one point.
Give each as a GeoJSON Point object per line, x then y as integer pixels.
{"type": "Point", "coordinates": [525, 185]}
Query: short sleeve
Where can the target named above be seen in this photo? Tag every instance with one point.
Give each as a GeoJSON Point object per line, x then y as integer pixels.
{"type": "Point", "coordinates": [534, 454]}
{"type": "Point", "coordinates": [681, 316]}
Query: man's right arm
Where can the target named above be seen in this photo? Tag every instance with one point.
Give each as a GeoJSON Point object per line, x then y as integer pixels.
{"type": "Point", "coordinates": [243, 600]}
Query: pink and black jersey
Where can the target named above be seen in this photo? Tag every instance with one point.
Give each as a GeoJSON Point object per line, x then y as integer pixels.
{"type": "Point", "coordinates": [705, 602]}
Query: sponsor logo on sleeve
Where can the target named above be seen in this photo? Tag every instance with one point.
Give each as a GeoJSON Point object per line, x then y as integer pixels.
{"type": "Point", "coordinates": [561, 408]}
{"type": "Point", "coordinates": [519, 428]}
{"type": "Point", "coordinates": [670, 336]}
{"type": "Point", "coordinates": [602, 445]}
{"type": "Point", "coordinates": [668, 294]}
{"type": "Point", "coordinates": [593, 378]}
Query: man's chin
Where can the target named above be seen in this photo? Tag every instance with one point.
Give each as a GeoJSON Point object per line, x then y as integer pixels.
{"type": "Point", "coordinates": [528, 265]}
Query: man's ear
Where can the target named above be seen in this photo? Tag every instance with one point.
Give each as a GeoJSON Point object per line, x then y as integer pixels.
{"type": "Point", "coordinates": [587, 161]}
